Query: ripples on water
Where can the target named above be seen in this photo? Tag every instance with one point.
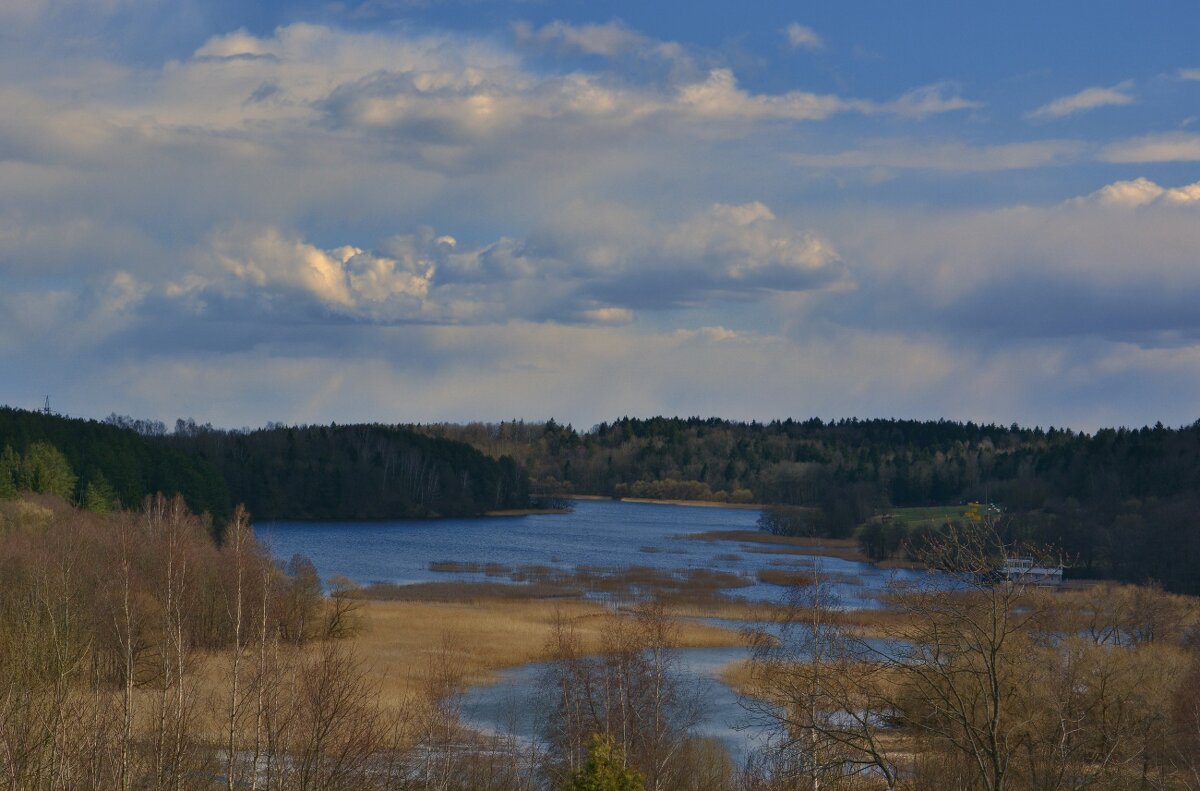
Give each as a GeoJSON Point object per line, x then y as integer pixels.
{"type": "Point", "coordinates": [596, 533]}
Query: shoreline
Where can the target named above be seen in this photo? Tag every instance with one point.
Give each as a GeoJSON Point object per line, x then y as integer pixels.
{"type": "Point", "coordinates": [661, 501]}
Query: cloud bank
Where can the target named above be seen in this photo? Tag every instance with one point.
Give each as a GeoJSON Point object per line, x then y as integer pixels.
{"type": "Point", "coordinates": [320, 221]}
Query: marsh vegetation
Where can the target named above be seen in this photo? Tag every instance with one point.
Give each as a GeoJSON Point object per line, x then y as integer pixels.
{"type": "Point", "coordinates": [137, 652]}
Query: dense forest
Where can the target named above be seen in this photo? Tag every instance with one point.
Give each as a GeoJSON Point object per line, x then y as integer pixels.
{"type": "Point", "coordinates": [309, 472]}
{"type": "Point", "coordinates": [1121, 503]}
{"type": "Point", "coordinates": [355, 472]}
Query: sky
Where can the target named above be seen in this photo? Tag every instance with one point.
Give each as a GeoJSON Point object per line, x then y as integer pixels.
{"type": "Point", "coordinates": [450, 210]}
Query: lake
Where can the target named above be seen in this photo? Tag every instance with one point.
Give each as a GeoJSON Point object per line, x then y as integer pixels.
{"type": "Point", "coordinates": [597, 533]}
{"type": "Point", "coordinates": [600, 533]}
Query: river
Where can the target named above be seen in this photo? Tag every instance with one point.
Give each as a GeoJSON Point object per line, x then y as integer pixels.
{"type": "Point", "coordinates": [595, 534]}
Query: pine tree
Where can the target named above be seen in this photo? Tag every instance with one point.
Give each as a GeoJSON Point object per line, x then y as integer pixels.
{"type": "Point", "coordinates": [606, 770]}
{"type": "Point", "coordinates": [45, 469]}
{"type": "Point", "coordinates": [99, 495]}
{"type": "Point", "coordinates": [10, 467]}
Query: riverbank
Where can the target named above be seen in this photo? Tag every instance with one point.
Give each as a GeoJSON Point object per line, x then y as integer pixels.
{"type": "Point", "coordinates": [771, 544]}
{"type": "Point", "coordinates": [527, 511]}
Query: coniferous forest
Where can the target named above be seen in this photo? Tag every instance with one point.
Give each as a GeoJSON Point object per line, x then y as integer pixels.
{"type": "Point", "coordinates": [309, 472]}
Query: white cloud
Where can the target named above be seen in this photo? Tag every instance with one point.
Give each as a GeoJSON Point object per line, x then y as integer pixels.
{"type": "Point", "coordinates": [1189, 74]}
{"type": "Point", "coordinates": [345, 280]}
{"type": "Point", "coordinates": [608, 315]}
{"type": "Point", "coordinates": [1143, 192]}
{"type": "Point", "coordinates": [719, 97]}
{"type": "Point", "coordinates": [746, 244]}
{"type": "Point", "coordinates": [1087, 99]}
{"type": "Point", "coordinates": [801, 37]}
{"type": "Point", "coordinates": [1177, 147]}
{"type": "Point", "coordinates": [929, 100]}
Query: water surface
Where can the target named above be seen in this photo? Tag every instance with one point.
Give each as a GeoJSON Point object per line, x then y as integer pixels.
{"type": "Point", "coordinates": [596, 533]}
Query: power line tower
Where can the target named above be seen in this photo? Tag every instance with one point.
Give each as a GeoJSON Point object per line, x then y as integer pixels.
{"type": "Point", "coordinates": [46, 409]}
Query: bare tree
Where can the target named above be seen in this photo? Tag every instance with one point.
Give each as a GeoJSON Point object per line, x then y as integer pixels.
{"type": "Point", "coordinates": [825, 694]}
{"type": "Point", "coordinates": [964, 632]}
{"type": "Point", "coordinates": [633, 691]}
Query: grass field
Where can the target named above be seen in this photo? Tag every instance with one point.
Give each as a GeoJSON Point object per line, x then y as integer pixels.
{"type": "Point", "coordinates": [759, 542]}
{"type": "Point", "coordinates": [933, 514]}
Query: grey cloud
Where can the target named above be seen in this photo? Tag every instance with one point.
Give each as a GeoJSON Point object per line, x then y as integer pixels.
{"type": "Point", "coordinates": [263, 92]}
{"type": "Point", "coordinates": [1118, 264]}
{"type": "Point", "coordinates": [950, 156]}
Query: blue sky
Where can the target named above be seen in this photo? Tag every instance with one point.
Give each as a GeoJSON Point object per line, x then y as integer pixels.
{"type": "Point", "coordinates": [414, 211]}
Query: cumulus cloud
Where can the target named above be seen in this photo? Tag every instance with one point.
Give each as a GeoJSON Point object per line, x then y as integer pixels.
{"type": "Point", "coordinates": [802, 37]}
{"type": "Point", "coordinates": [221, 230]}
{"type": "Point", "coordinates": [283, 272]}
{"type": "Point", "coordinates": [747, 246]}
{"type": "Point", "coordinates": [1143, 192]}
{"type": "Point", "coordinates": [718, 96]}
{"type": "Point", "coordinates": [1087, 99]}
{"type": "Point", "coordinates": [1177, 147]}
{"type": "Point", "coordinates": [578, 274]}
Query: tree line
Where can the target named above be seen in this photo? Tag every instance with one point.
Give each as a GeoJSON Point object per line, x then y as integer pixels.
{"type": "Point", "coordinates": [296, 472]}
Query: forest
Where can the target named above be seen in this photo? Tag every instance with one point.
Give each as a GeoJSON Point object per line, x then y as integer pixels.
{"type": "Point", "coordinates": [355, 472]}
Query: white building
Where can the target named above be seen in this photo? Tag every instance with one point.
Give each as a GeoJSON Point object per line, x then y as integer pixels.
{"type": "Point", "coordinates": [1023, 570]}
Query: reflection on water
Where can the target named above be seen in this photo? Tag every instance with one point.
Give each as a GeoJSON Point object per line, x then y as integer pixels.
{"type": "Point", "coordinates": [515, 705]}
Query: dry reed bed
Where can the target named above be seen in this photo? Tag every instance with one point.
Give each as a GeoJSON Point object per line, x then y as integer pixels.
{"type": "Point", "coordinates": [785, 577]}
{"type": "Point", "coordinates": [545, 582]}
{"type": "Point", "coordinates": [403, 642]}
